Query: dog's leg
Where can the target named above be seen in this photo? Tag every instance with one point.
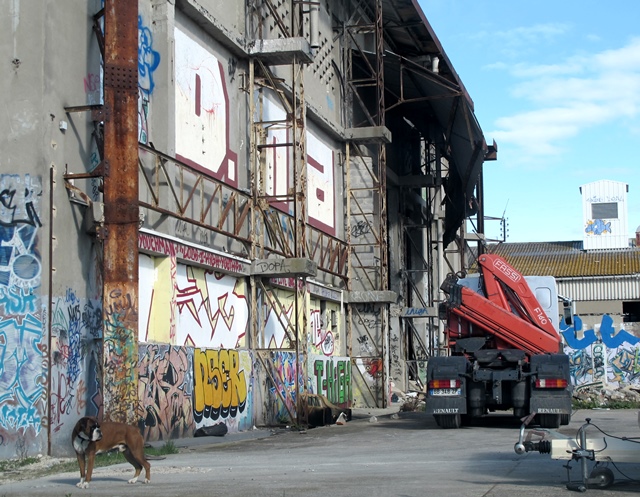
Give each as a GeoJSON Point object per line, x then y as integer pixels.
{"type": "Point", "coordinates": [147, 471]}
{"type": "Point", "coordinates": [81, 463]}
{"type": "Point", "coordinates": [90, 459]}
{"type": "Point", "coordinates": [134, 462]}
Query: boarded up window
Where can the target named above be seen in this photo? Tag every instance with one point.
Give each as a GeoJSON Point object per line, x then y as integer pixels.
{"type": "Point", "coordinates": [607, 210]}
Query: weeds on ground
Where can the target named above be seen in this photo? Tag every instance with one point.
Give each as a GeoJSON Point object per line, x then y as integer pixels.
{"type": "Point", "coordinates": [106, 459]}
{"type": "Point", "coordinates": [12, 464]}
{"type": "Point", "coordinates": [611, 404]}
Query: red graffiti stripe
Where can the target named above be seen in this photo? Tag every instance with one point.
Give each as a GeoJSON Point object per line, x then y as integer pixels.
{"type": "Point", "coordinates": [192, 254]}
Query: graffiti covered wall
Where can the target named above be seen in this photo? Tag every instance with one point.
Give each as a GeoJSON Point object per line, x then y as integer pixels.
{"type": "Point", "coordinates": [184, 304]}
{"type": "Point", "coordinates": [331, 377]}
{"type": "Point", "coordinates": [76, 351]}
{"type": "Point", "coordinates": [182, 389]}
{"type": "Point", "coordinates": [23, 344]}
{"type": "Point", "coordinates": [222, 388]}
{"type": "Point", "coordinates": [325, 325]}
{"type": "Point", "coordinates": [602, 356]}
{"type": "Point", "coordinates": [165, 391]}
{"type": "Point", "coordinates": [202, 110]}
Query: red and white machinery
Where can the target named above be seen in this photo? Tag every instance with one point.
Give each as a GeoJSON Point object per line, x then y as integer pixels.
{"type": "Point", "coordinates": [504, 351]}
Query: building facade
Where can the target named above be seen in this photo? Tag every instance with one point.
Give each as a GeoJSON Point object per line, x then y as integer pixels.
{"type": "Point", "coordinates": [209, 208]}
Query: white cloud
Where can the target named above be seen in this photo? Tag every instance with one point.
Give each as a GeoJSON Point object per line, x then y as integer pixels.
{"type": "Point", "coordinates": [525, 35]}
{"type": "Point", "coordinates": [569, 96]}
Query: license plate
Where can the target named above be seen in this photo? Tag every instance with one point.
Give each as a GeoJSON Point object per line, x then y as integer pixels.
{"type": "Point", "coordinates": [434, 392]}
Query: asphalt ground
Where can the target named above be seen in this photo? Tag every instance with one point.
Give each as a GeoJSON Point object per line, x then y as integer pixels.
{"type": "Point", "coordinates": [378, 453]}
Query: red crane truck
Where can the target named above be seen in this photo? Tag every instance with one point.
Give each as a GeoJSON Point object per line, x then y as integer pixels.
{"type": "Point", "coordinates": [504, 351]}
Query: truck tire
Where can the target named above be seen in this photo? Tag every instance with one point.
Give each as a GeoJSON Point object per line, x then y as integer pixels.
{"type": "Point", "coordinates": [448, 421]}
{"type": "Point", "coordinates": [549, 420]}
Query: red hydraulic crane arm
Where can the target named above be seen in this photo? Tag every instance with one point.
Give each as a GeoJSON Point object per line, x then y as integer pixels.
{"type": "Point", "coordinates": [506, 326]}
{"type": "Point", "coordinates": [517, 297]}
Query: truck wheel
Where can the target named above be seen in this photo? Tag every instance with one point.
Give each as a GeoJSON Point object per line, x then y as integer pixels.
{"type": "Point", "coordinates": [549, 420]}
{"type": "Point", "coordinates": [448, 421]}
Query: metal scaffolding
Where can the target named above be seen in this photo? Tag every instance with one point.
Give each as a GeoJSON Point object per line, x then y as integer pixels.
{"type": "Point", "coordinates": [366, 200]}
{"type": "Point", "coordinates": [274, 226]}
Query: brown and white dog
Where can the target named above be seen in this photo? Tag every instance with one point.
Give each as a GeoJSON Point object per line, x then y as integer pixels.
{"type": "Point", "coordinates": [90, 438]}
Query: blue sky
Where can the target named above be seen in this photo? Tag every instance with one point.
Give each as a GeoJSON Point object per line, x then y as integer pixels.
{"type": "Point", "coordinates": [557, 85]}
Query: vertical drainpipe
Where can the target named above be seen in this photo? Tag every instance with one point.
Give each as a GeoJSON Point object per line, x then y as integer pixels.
{"type": "Point", "coordinates": [50, 306]}
{"type": "Point", "coordinates": [121, 217]}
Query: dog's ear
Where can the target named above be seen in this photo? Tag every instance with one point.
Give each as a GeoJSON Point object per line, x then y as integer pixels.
{"type": "Point", "coordinates": [88, 424]}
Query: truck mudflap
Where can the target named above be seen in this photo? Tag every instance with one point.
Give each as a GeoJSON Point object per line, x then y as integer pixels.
{"type": "Point", "coordinates": [447, 386]}
{"type": "Point", "coordinates": [551, 389]}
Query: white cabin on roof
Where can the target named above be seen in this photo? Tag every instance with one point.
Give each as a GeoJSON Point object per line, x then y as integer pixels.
{"type": "Point", "coordinates": [604, 214]}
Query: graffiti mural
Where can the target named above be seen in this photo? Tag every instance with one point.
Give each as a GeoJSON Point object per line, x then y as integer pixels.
{"type": "Point", "coordinates": [165, 389]}
{"type": "Point", "coordinates": [23, 346]}
{"type": "Point", "coordinates": [276, 317]}
{"type": "Point", "coordinates": [189, 305]}
{"type": "Point", "coordinates": [76, 355]}
{"type": "Point", "coordinates": [331, 377]}
{"type": "Point", "coordinates": [148, 62]}
{"type": "Point", "coordinates": [202, 110]}
{"type": "Point", "coordinates": [325, 327]}
{"type": "Point", "coordinates": [602, 356]}
{"type": "Point", "coordinates": [222, 386]}
{"type": "Point", "coordinates": [212, 308]}
{"type": "Point", "coordinates": [321, 204]}
{"type": "Point", "coordinates": [321, 200]}
{"type": "Point", "coordinates": [120, 346]}
{"type": "Point", "coordinates": [283, 394]}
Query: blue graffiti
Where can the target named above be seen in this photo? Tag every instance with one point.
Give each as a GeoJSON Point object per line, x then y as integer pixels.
{"type": "Point", "coordinates": [17, 301]}
{"type": "Point", "coordinates": [597, 227]}
{"type": "Point", "coordinates": [21, 386]}
{"type": "Point", "coordinates": [607, 333]}
{"type": "Point", "coordinates": [19, 264]}
{"type": "Point", "coordinates": [148, 59]}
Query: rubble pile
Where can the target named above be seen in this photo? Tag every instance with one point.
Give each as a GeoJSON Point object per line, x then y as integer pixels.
{"type": "Point", "coordinates": [585, 397]}
{"type": "Point", "coordinates": [606, 395]}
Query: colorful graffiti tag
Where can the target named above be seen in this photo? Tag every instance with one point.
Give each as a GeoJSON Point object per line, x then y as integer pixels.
{"type": "Point", "coordinates": [23, 349]}
{"type": "Point", "coordinates": [221, 387]}
{"type": "Point", "coordinates": [331, 377]}
{"type": "Point", "coordinates": [75, 350]}
{"type": "Point", "coordinates": [148, 62]}
{"type": "Point", "coordinates": [283, 393]}
{"type": "Point", "coordinates": [603, 356]}
{"type": "Point", "coordinates": [165, 388]}
{"type": "Point", "coordinates": [212, 308]}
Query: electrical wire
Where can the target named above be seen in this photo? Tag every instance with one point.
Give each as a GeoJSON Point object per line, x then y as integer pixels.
{"type": "Point", "coordinates": [625, 439]}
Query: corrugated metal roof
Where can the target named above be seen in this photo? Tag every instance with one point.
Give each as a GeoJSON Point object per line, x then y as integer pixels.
{"type": "Point", "coordinates": [567, 259]}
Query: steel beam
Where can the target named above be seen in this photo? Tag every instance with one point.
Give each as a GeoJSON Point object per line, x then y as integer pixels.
{"type": "Point", "coordinates": [121, 217]}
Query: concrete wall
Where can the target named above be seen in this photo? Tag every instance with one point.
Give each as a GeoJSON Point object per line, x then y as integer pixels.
{"type": "Point", "coordinates": [198, 364]}
{"type": "Point", "coordinates": [43, 325]}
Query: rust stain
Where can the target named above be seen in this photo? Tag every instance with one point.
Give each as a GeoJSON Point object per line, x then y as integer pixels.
{"type": "Point", "coordinates": [120, 270]}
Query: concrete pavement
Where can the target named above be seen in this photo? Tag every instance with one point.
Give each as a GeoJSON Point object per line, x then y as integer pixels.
{"type": "Point", "coordinates": [404, 456]}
